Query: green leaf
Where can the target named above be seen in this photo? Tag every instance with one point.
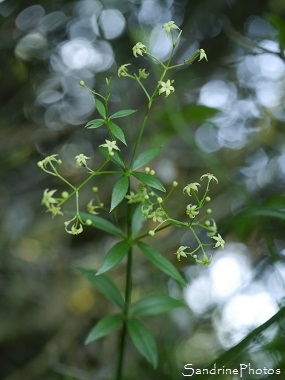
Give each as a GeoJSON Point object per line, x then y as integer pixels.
{"type": "Point", "coordinates": [105, 286]}
{"type": "Point", "coordinates": [156, 304]}
{"type": "Point", "coordinates": [122, 113]}
{"type": "Point", "coordinates": [96, 123]}
{"type": "Point", "coordinates": [104, 327]}
{"type": "Point", "coordinates": [117, 132]}
{"type": "Point", "coordinates": [138, 220]}
{"type": "Point", "coordinates": [102, 224]}
{"type": "Point", "coordinates": [100, 108]}
{"type": "Point", "coordinates": [198, 113]}
{"type": "Point", "coordinates": [146, 157]}
{"type": "Point", "coordinates": [161, 262]}
{"type": "Point", "coordinates": [149, 180]}
{"type": "Point", "coordinates": [119, 191]}
{"type": "Point", "coordinates": [114, 256]}
{"type": "Point", "coordinates": [115, 158]}
{"type": "Point", "coordinates": [143, 340]}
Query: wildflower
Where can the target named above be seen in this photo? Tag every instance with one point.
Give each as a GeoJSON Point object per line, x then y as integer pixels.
{"type": "Point", "coordinates": [110, 145]}
{"type": "Point", "coordinates": [55, 210]}
{"type": "Point", "coordinates": [139, 48]}
{"type": "Point", "coordinates": [202, 55]}
{"type": "Point", "coordinates": [123, 71]}
{"type": "Point", "coordinates": [157, 215]}
{"type": "Point", "coordinates": [166, 87]}
{"type": "Point", "coordinates": [48, 160]}
{"type": "Point", "coordinates": [168, 26]}
{"type": "Point", "coordinates": [91, 208]}
{"type": "Point", "coordinates": [143, 74]}
{"type": "Point", "coordinates": [180, 252]}
{"type": "Point", "coordinates": [219, 241]}
{"type": "Point", "coordinates": [210, 177]}
{"type": "Point", "coordinates": [48, 199]}
{"type": "Point", "coordinates": [205, 260]}
{"type": "Point", "coordinates": [191, 186]}
{"type": "Point", "coordinates": [81, 160]}
{"type": "Point", "coordinates": [146, 211]}
{"type": "Point", "coordinates": [191, 211]}
{"type": "Point", "coordinates": [75, 230]}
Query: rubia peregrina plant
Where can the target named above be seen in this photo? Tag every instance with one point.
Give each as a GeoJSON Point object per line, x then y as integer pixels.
{"type": "Point", "coordinates": [149, 200]}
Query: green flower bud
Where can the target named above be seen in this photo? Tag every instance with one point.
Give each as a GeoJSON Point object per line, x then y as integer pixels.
{"type": "Point", "coordinates": [82, 83]}
{"type": "Point", "coordinates": [152, 172]}
{"type": "Point", "coordinates": [88, 222]}
{"type": "Point", "coordinates": [151, 233]}
{"type": "Point", "coordinates": [174, 183]}
{"type": "Point", "coordinates": [209, 211]}
{"type": "Point", "coordinates": [65, 194]}
{"type": "Point", "coordinates": [207, 199]}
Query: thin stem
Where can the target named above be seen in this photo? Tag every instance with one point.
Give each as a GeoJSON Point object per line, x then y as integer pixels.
{"type": "Point", "coordinates": [128, 297]}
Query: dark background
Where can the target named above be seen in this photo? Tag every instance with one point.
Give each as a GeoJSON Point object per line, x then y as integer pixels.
{"type": "Point", "coordinates": [225, 117]}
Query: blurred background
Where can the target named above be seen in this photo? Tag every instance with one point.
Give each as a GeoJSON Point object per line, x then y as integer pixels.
{"type": "Point", "coordinates": [225, 117]}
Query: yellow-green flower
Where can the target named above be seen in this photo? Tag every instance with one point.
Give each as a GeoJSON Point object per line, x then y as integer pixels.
{"type": "Point", "coordinates": [210, 177]}
{"type": "Point", "coordinates": [180, 252]}
{"type": "Point", "coordinates": [166, 87]}
{"type": "Point", "coordinates": [191, 211]}
{"type": "Point", "coordinates": [203, 55]}
{"type": "Point", "coordinates": [219, 241]}
{"type": "Point", "coordinates": [191, 186]}
{"type": "Point", "coordinates": [81, 160]}
{"type": "Point", "coordinates": [139, 49]}
{"type": "Point", "coordinates": [48, 199]}
{"type": "Point", "coordinates": [123, 71]}
{"type": "Point", "coordinates": [110, 145]}
{"type": "Point", "coordinates": [168, 26]}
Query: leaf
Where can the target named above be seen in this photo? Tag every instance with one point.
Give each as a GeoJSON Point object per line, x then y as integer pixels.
{"type": "Point", "coordinates": [149, 180]}
{"type": "Point", "coordinates": [96, 123]}
{"type": "Point", "coordinates": [102, 224]}
{"type": "Point", "coordinates": [161, 262]}
{"type": "Point", "coordinates": [117, 132]}
{"type": "Point", "coordinates": [199, 113]}
{"type": "Point", "coordinates": [143, 340]}
{"type": "Point", "coordinates": [105, 286]}
{"type": "Point", "coordinates": [156, 304]}
{"type": "Point", "coordinates": [100, 108]}
{"type": "Point", "coordinates": [146, 157]}
{"type": "Point", "coordinates": [122, 113]}
{"type": "Point", "coordinates": [114, 256]}
{"type": "Point", "coordinates": [119, 191]}
{"type": "Point", "coordinates": [104, 327]}
{"type": "Point", "coordinates": [115, 158]}
{"type": "Point", "coordinates": [138, 220]}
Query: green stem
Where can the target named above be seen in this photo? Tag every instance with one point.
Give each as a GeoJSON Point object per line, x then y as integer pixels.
{"type": "Point", "coordinates": [128, 297]}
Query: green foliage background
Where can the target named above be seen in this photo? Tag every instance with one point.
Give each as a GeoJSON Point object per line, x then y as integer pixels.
{"type": "Point", "coordinates": [47, 306]}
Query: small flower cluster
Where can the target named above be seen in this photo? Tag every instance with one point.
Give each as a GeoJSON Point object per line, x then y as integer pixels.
{"type": "Point", "coordinates": [154, 208]}
{"type": "Point", "coordinates": [53, 204]}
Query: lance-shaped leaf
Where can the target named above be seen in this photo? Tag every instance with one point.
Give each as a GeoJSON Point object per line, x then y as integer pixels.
{"type": "Point", "coordinates": [116, 131]}
{"type": "Point", "coordinates": [100, 108]}
{"type": "Point", "coordinates": [114, 256]}
{"type": "Point", "coordinates": [115, 158]}
{"type": "Point", "coordinates": [143, 340]}
{"type": "Point", "coordinates": [105, 286]}
{"type": "Point", "coordinates": [161, 262]}
{"type": "Point", "coordinates": [122, 113]}
{"type": "Point", "coordinates": [146, 157]}
{"type": "Point", "coordinates": [96, 123]}
{"type": "Point", "coordinates": [102, 224]}
{"type": "Point", "coordinates": [104, 327]}
{"type": "Point", "coordinates": [156, 304]}
{"type": "Point", "coordinates": [149, 180]}
{"type": "Point", "coordinates": [119, 191]}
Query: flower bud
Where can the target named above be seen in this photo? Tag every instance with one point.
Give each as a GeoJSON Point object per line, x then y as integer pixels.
{"type": "Point", "coordinates": [88, 222]}
{"type": "Point", "coordinates": [95, 189]}
{"type": "Point", "coordinates": [209, 211]}
{"type": "Point", "coordinates": [159, 200]}
{"type": "Point", "coordinates": [152, 172]}
{"type": "Point", "coordinates": [207, 199]}
{"type": "Point", "coordinates": [147, 169]}
{"type": "Point", "coordinates": [65, 194]}
{"type": "Point", "coordinates": [151, 233]}
{"type": "Point", "coordinates": [82, 83]}
{"type": "Point", "coordinates": [174, 183]}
